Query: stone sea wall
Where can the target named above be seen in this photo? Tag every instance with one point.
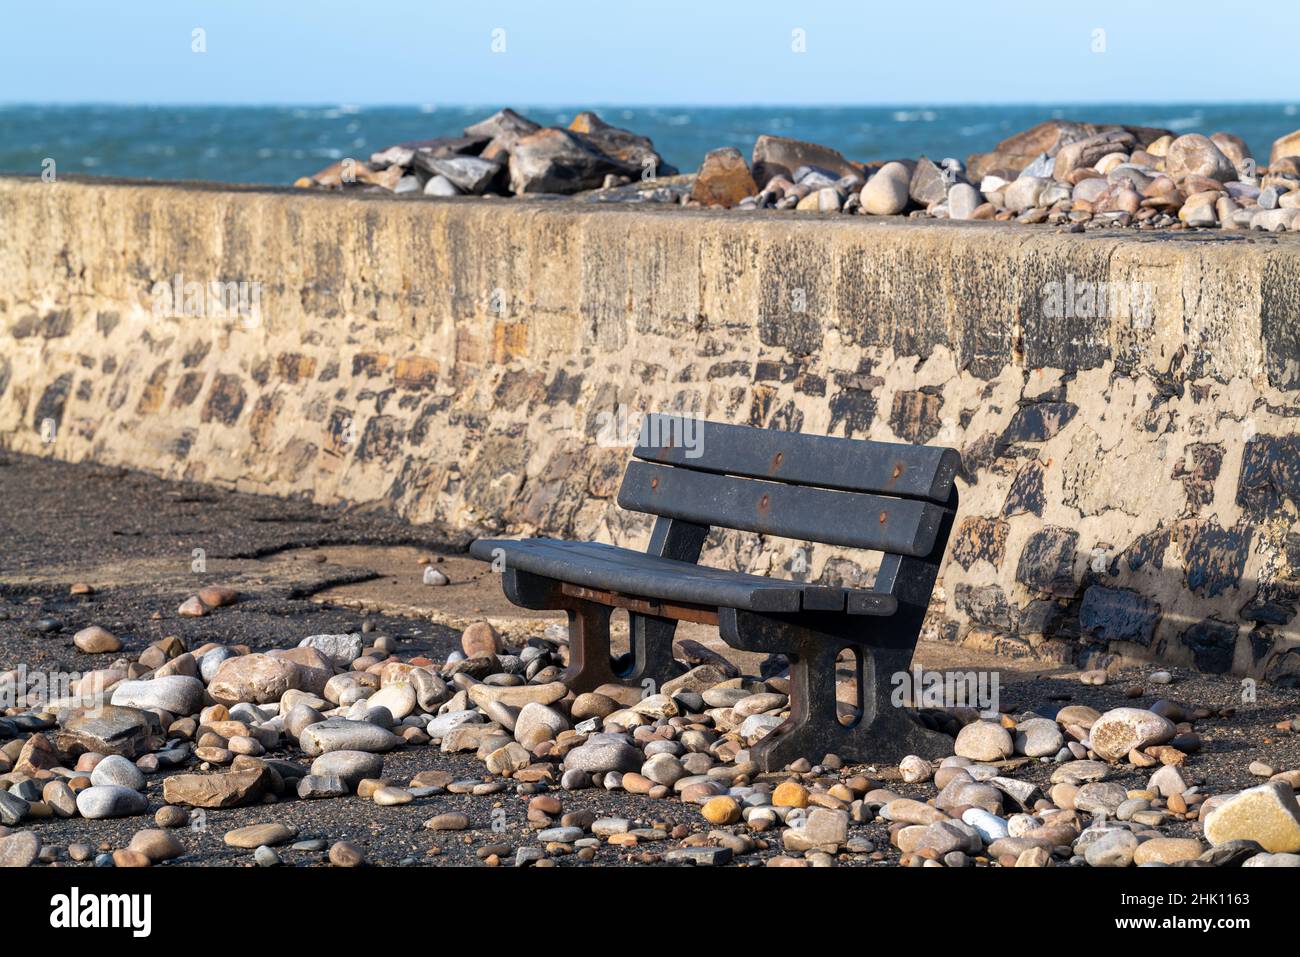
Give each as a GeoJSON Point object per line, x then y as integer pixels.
{"type": "Point", "coordinates": [1126, 404]}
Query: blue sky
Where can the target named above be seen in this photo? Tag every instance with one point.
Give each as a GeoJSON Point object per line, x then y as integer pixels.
{"type": "Point", "coordinates": [672, 52]}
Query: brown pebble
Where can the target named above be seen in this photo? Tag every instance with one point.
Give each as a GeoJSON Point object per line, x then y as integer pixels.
{"type": "Point", "coordinates": [169, 815]}
{"type": "Point", "coordinates": [346, 854]}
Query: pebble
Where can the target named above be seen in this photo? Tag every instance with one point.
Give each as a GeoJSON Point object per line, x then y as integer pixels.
{"type": "Point", "coordinates": [104, 801]}
{"type": "Point", "coordinates": [1168, 850]}
{"type": "Point", "coordinates": [699, 856]}
{"type": "Point", "coordinates": [1121, 730]}
{"type": "Point", "coordinates": [1113, 849]}
{"type": "Point", "coordinates": [313, 787]}
{"type": "Point", "coordinates": [95, 640]}
{"type": "Point", "coordinates": [256, 835]}
{"type": "Point", "coordinates": [157, 845]}
{"type": "Point", "coordinates": [451, 821]}
{"type": "Point", "coordinates": [480, 639]}
{"type": "Point", "coordinates": [342, 734]}
{"type": "Point", "coordinates": [721, 810]}
{"type": "Point", "coordinates": [915, 770]}
{"type": "Point", "coordinates": [984, 741]}
{"type": "Point", "coordinates": [1038, 737]}
{"type": "Point", "coordinates": [346, 854]}
{"type": "Point", "coordinates": [602, 754]}
{"type": "Point", "coordinates": [20, 849]}
{"type": "Point", "coordinates": [175, 694]}
{"type": "Point", "coordinates": [118, 771]}
{"type": "Point", "coordinates": [886, 193]}
{"type": "Point", "coordinates": [171, 816]}
{"type": "Point", "coordinates": [266, 857]}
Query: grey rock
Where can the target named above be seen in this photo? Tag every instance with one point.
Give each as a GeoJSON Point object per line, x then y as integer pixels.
{"type": "Point", "coordinates": [1038, 737]}
{"type": "Point", "coordinates": [603, 753]}
{"type": "Point", "coordinates": [440, 186]}
{"type": "Point", "coordinates": [560, 835]}
{"type": "Point", "coordinates": [12, 808]}
{"type": "Point", "coordinates": [1115, 848]}
{"type": "Point", "coordinates": [109, 729]}
{"type": "Point", "coordinates": [315, 786]}
{"type": "Point", "coordinates": [1273, 860]}
{"type": "Point", "coordinates": [176, 694]}
{"type": "Point", "coordinates": [20, 849]}
{"type": "Point", "coordinates": [1232, 853]}
{"type": "Point", "coordinates": [212, 660]}
{"type": "Point", "coordinates": [699, 856]}
{"type": "Point", "coordinates": [107, 800]}
{"type": "Point", "coordinates": [1101, 797]}
{"type": "Point", "coordinates": [340, 734]}
{"type": "Point", "coordinates": [351, 767]}
{"type": "Point", "coordinates": [470, 174]}
{"type": "Point", "coordinates": [439, 726]}
{"type": "Point", "coordinates": [266, 856]}
{"type": "Point", "coordinates": [340, 650]}
{"type": "Point", "coordinates": [118, 771]}
{"type": "Point", "coordinates": [963, 200]}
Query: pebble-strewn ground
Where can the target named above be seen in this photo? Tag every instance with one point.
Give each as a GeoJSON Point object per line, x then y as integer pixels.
{"type": "Point", "coordinates": [442, 747]}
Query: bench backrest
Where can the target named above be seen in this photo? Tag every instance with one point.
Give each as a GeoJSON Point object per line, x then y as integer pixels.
{"type": "Point", "coordinates": [882, 496]}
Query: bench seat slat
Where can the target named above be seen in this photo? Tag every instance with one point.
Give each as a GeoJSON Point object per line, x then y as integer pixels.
{"type": "Point", "coordinates": [852, 519]}
{"type": "Point", "coordinates": [821, 461]}
{"type": "Point", "coordinates": [634, 573]}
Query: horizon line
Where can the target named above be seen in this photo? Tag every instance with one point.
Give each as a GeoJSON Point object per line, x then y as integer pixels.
{"type": "Point", "coordinates": [433, 107]}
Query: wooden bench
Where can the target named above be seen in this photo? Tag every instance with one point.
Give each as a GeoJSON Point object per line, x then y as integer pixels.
{"type": "Point", "coordinates": [694, 475]}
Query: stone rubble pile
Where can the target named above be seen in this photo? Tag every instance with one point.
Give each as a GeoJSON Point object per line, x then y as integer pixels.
{"type": "Point", "coordinates": [1060, 172]}
{"type": "Point", "coordinates": [231, 728]}
{"type": "Point", "coordinates": [503, 155]}
{"type": "Point", "coordinates": [1076, 175]}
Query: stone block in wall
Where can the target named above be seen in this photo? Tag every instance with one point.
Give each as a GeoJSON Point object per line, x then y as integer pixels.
{"type": "Point", "coordinates": [977, 538]}
{"type": "Point", "coordinates": [1046, 563]}
{"type": "Point", "coordinates": [1118, 614]}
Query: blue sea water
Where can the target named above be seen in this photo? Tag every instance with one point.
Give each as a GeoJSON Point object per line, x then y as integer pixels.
{"type": "Point", "coordinates": [277, 144]}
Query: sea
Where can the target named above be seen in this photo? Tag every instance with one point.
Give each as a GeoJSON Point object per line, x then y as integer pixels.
{"type": "Point", "coordinates": [277, 144]}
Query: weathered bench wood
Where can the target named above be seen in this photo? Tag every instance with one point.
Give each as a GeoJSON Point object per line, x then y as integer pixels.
{"type": "Point", "coordinates": [695, 475]}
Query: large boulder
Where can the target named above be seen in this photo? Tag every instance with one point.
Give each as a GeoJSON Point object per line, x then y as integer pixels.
{"type": "Point", "coordinates": [233, 789]}
{"type": "Point", "coordinates": [176, 694]}
{"type": "Point", "coordinates": [1268, 815]}
{"type": "Point", "coordinates": [504, 129]}
{"type": "Point", "coordinates": [781, 156]}
{"type": "Point", "coordinates": [1196, 155]}
{"type": "Point", "coordinates": [1087, 151]}
{"type": "Point", "coordinates": [342, 734]}
{"type": "Point", "coordinates": [259, 679]}
{"type": "Point", "coordinates": [631, 149]}
{"type": "Point", "coordinates": [470, 174]}
{"type": "Point", "coordinates": [723, 179]}
{"type": "Point", "coordinates": [109, 729]}
{"type": "Point", "coordinates": [1120, 730]}
{"type": "Point", "coordinates": [1288, 145]}
{"type": "Point", "coordinates": [886, 193]}
{"type": "Point", "coordinates": [559, 161]}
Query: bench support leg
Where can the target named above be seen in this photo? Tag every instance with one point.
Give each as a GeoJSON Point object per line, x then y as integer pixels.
{"type": "Point", "coordinates": [589, 662]}
{"type": "Point", "coordinates": [651, 657]}
{"type": "Point", "coordinates": [883, 732]}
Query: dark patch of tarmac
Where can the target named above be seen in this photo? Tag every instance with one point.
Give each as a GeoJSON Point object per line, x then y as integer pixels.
{"type": "Point", "coordinates": [57, 520]}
